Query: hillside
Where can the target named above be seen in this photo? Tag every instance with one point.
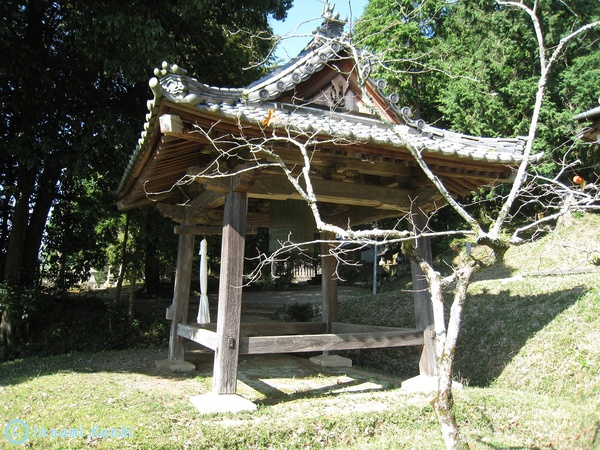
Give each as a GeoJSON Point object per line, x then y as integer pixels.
{"type": "Point", "coordinates": [534, 285]}
{"type": "Point", "coordinates": [530, 325]}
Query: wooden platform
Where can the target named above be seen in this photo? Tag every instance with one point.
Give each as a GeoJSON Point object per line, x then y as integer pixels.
{"type": "Point", "coordinates": [296, 337]}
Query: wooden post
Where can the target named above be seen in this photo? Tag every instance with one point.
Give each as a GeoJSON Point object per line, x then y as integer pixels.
{"type": "Point", "coordinates": [329, 288]}
{"type": "Point", "coordinates": [181, 294]}
{"type": "Point", "coordinates": [422, 298]}
{"type": "Point", "coordinates": [230, 294]}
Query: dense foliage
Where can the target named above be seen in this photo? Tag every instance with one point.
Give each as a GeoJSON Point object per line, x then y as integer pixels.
{"type": "Point", "coordinates": [473, 67]}
{"type": "Point", "coordinates": [73, 91]}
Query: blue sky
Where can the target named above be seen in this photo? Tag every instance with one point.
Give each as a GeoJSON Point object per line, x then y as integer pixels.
{"type": "Point", "coordinates": [304, 17]}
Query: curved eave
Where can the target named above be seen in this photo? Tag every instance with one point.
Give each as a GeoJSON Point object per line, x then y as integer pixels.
{"type": "Point", "coordinates": [593, 113]}
{"type": "Point", "coordinates": [360, 129]}
{"type": "Point", "coordinates": [253, 104]}
{"type": "Point", "coordinates": [326, 124]}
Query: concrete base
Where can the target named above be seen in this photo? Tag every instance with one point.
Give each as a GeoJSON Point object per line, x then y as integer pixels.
{"type": "Point", "coordinates": [331, 361]}
{"type": "Point", "coordinates": [425, 384]}
{"type": "Point", "coordinates": [170, 365]}
{"type": "Point", "coordinates": [226, 403]}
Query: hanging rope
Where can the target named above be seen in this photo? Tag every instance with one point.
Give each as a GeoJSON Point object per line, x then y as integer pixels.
{"type": "Point", "coordinates": [203, 309]}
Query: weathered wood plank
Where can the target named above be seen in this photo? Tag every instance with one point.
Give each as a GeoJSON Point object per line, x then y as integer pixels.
{"type": "Point", "coordinates": [269, 328]}
{"type": "Point", "coordinates": [241, 178]}
{"type": "Point", "coordinates": [329, 342]}
{"type": "Point", "coordinates": [208, 230]}
{"type": "Point", "coordinates": [274, 187]}
{"type": "Point", "coordinates": [206, 200]}
{"type": "Point", "coordinates": [202, 336]}
{"type": "Point", "coordinates": [281, 328]}
{"type": "Point", "coordinates": [422, 298]}
{"type": "Point", "coordinates": [342, 328]}
{"type": "Point", "coordinates": [230, 294]}
{"type": "Point", "coordinates": [181, 294]}
{"type": "Point", "coordinates": [329, 287]}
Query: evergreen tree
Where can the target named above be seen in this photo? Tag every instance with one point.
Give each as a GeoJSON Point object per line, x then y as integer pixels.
{"type": "Point", "coordinates": [73, 91]}
{"type": "Point", "coordinates": [482, 66]}
{"type": "Point", "coordinates": [73, 84]}
{"type": "Point", "coordinates": [404, 34]}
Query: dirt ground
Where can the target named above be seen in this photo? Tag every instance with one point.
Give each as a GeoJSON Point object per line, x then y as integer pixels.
{"type": "Point", "coordinates": [260, 377]}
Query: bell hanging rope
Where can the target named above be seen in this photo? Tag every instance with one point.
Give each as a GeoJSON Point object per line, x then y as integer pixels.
{"type": "Point", "coordinates": [203, 310]}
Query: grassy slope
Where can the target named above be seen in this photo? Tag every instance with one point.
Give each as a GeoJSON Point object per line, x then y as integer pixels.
{"type": "Point", "coordinates": [529, 353]}
{"type": "Point", "coordinates": [526, 341]}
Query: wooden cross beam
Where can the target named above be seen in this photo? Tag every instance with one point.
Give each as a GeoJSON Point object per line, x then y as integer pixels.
{"type": "Point", "coordinates": [208, 230]}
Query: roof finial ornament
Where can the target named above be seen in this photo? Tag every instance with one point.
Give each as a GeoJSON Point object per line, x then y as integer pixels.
{"type": "Point", "coordinates": [328, 10]}
{"type": "Point", "coordinates": [332, 26]}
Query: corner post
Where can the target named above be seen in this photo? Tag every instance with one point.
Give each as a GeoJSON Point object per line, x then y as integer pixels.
{"type": "Point", "coordinates": [329, 287]}
{"type": "Point", "coordinates": [422, 297]}
{"type": "Point", "coordinates": [230, 294]}
{"type": "Point", "coordinates": [181, 294]}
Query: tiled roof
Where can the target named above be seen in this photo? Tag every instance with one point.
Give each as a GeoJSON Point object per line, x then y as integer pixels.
{"type": "Point", "coordinates": [252, 104]}
{"type": "Point", "coordinates": [293, 73]}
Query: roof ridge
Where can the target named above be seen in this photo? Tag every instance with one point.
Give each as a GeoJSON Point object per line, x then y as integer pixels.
{"type": "Point", "coordinates": [332, 27]}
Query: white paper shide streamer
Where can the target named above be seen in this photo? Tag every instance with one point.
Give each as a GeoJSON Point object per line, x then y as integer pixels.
{"type": "Point", "coordinates": [203, 311]}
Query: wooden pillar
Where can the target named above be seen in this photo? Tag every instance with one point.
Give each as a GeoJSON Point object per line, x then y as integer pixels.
{"type": "Point", "coordinates": [329, 288]}
{"type": "Point", "coordinates": [230, 294]}
{"type": "Point", "coordinates": [181, 294]}
{"type": "Point", "coordinates": [422, 298]}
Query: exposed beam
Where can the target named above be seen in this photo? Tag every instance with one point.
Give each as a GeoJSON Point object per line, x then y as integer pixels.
{"type": "Point", "coordinates": [174, 212]}
{"type": "Point", "coordinates": [206, 200]}
{"type": "Point", "coordinates": [208, 230]}
{"type": "Point", "coordinates": [275, 187]}
{"type": "Point", "coordinates": [358, 216]}
{"type": "Point", "coordinates": [241, 179]}
{"type": "Point", "coordinates": [313, 338]}
{"type": "Point", "coordinates": [330, 342]}
{"type": "Point", "coordinates": [208, 216]}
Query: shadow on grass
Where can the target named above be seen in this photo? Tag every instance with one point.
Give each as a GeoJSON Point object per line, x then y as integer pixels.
{"type": "Point", "coordinates": [277, 378]}
{"type": "Point", "coordinates": [504, 447]}
{"type": "Point", "coordinates": [497, 325]}
{"type": "Point", "coordinates": [280, 378]}
{"type": "Point", "coordinates": [112, 361]}
{"type": "Point", "coordinates": [346, 383]}
{"type": "Point", "coordinates": [498, 271]}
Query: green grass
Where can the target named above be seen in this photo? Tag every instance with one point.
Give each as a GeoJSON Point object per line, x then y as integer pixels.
{"type": "Point", "coordinates": [70, 392]}
{"type": "Point", "coordinates": [529, 355]}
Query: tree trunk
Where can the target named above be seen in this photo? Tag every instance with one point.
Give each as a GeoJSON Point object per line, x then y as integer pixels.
{"type": "Point", "coordinates": [20, 223]}
{"type": "Point", "coordinates": [443, 403]}
{"type": "Point", "coordinates": [22, 141]}
{"type": "Point", "coordinates": [444, 406]}
{"type": "Point", "coordinates": [132, 280]}
{"type": "Point", "coordinates": [135, 262]}
{"type": "Point", "coordinates": [5, 213]}
{"type": "Point", "coordinates": [124, 258]}
{"type": "Point", "coordinates": [6, 336]}
{"type": "Point", "coordinates": [45, 194]}
{"type": "Point", "coordinates": [151, 262]}
{"type": "Point", "coordinates": [446, 340]}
